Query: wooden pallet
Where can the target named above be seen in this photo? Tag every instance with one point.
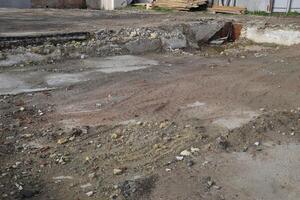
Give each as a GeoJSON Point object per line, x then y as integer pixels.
{"type": "Point", "coordinates": [180, 4]}
{"type": "Point", "coordinates": [227, 9]}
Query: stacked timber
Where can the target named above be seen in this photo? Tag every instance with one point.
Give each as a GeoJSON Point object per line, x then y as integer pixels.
{"type": "Point", "coordinates": [227, 9]}
{"type": "Point", "coordinates": [180, 4]}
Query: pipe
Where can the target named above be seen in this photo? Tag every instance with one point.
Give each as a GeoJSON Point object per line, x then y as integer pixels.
{"type": "Point", "coordinates": [271, 6]}
{"type": "Point", "coordinates": [288, 6]}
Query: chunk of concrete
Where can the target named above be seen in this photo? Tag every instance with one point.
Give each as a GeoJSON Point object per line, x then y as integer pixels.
{"type": "Point", "coordinates": [174, 40]}
{"type": "Point", "coordinates": [143, 45]}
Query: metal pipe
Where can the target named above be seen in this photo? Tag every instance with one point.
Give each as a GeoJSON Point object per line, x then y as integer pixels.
{"type": "Point", "coordinates": [288, 6]}
{"type": "Point", "coordinates": [271, 9]}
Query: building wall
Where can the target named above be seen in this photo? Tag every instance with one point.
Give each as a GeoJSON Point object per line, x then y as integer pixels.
{"type": "Point", "coordinates": [264, 5]}
{"type": "Point", "coordinates": [58, 3]}
{"type": "Point", "coordinates": [281, 5]}
{"type": "Point", "coordinates": [106, 4]}
{"type": "Point", "coordinates": [15, 3]}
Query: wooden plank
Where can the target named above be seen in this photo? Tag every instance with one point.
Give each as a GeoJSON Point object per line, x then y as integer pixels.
{"type": "Point", "coordinates": [227, 9]}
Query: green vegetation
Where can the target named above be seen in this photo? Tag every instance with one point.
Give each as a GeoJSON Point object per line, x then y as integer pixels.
{"type": "Point", "coordinates": [141, 7]}
{"type": "Point", "coordinates": [263, 13]}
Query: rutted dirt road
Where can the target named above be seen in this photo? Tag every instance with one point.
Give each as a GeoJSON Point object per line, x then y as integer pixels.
{"type": "Point", "coordinates": [211, 124]}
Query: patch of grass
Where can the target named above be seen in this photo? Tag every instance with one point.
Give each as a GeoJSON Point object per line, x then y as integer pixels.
{"type": "Point", "coordinates": [141, 7]}
{"type": "Point", "coordinates": [263, 13]}
{"type": "Point", "coordinates": [162, 9]}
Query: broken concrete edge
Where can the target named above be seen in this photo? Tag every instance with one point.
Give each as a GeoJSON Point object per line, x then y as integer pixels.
{"type": "Point", "coordinates": [285, 36]}
{"type": "Point", "coordinates": [8, 40]}
{"type": "Point", "coordinates": [50, 47]}
{"type": "Point", "coordinates": [200, 30]}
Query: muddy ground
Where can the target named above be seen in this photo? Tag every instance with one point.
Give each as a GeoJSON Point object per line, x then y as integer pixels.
{"type": "Point", "coordinates": [220, 122]}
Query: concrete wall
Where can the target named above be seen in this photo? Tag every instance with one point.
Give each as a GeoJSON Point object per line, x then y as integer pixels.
{"type": "Point", "coordinates": [58, 3]}
{"type": "Point", "coordinates": [15, 3]}
{"type": "Point", "coordinates": [106, 4]}
{"type": "Point", "coordinates": [254, 5]}
{"type": "Point", "coordinates": [281, 5]}
{"type": "Point", "coordinates": [251, 5]}
{"type": "Point", "coordinates": [93, 4]}
{"type": "Point", "coordinates": [264, 5]}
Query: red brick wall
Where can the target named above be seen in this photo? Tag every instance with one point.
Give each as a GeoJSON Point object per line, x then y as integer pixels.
{"type": "Point", "coordinates": [58, 3]}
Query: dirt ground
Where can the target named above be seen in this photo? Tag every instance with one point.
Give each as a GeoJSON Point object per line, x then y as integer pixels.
{"type": "Point", "coordinates": [219, 123]}
{"type": "Point", "coordinates": [28, 21]}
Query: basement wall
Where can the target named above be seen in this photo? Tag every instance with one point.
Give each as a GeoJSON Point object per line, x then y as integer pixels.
{"type": "Point", "coordinates": [58, 3]}
{"type": "Point", "coordinates": [15, 3]}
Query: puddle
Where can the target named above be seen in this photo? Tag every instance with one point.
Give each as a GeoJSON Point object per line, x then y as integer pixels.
{"type": "Point", "coordinates": [124, 63]}
{"type": "Point", "coordinates": [273, 174]}
{"type": "Point", "coordinates": [235, 120]}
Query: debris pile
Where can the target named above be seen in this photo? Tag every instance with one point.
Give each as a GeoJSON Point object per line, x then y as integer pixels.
{"type": "Point", "coordinates": [181, 4]}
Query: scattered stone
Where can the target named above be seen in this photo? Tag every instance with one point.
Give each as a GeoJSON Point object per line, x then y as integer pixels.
{"type": "Point", "coordinates": [115, 136]}
{"type": "Point", "coordinates": [222, 142]}
{"type": "Point", "coordinates": [92, 175]}
{"type": "Point", "coordinates": [16, 164]}
{"type": "Point", "coordinates": [28, 193]}
{"type": "Point", "coordinates": [163, 125]}
{"type": "Point", "coordinates": [137, 188]}
{"type": "Point", "coordinates": [190, 163]}
{"type": "Point", "coordinates": [62, 141]}
{"type": "Point", "coordinates": [90, 193]}
{"type": "Point", "coordinates": [62, 177]}
{"type": "Point", "coordinates": [179, 158]}
{"type": "Point", "coordinates": [118, 171]}
{"type": "Point", "coordinates": [4, 195]}
{"type": "Point", "coordinates": [86, 186]}
{"type": "Point", "coordinates": [194, 150]}
{"type": "Point", "coordinates": [185, 153]}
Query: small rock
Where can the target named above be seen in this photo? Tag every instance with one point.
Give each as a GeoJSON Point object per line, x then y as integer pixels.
{"type": "Point", "coordinates": [262, 109]}
{"type": "Point", "coordinates": [292, 133]}
{"type": "Point", "coordinates": [190, 163]}
{"type": "Point", "coordinates": [62, 177]}
{"type": "Point", "coordinates": [179, 158]}
{"type": "Point", "coordinates": [90, 193]}
{"type": "Point", "coordinates": [16, 165]}
{"type": "Point", "coordinates": [115, 136]}
{"type": "Point", "coordinates": [22, 108]}
{"type": "Point", "coordinates": [222, 142]}
{"type": "Point", "coordinates": [168, 169]}
{"type": "Point", "coordinates": [194, 150]}
{"type": "Point", "coordinates": [86, 185]}
{"type": "Point", "coordinates": [257, 143]}
{"type": "Point", "coordinates": [62, 141]}
{"type": "Point", "coordinates": [185, 153]}
{"type": "Point", "coordinates": [163, 125]}
{"type": "Point", "coordinates": [118, 171]}
{"type": "Point", "coordinates": [28, 193]}
{"type": "Point", "coordinates": [92, 175]}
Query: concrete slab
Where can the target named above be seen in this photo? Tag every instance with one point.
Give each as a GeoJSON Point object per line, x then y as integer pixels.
{"type": "Point", "coordinates": [14, 82]}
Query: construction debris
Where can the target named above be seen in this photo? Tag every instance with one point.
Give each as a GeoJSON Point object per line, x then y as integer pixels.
{"type": "Point", "coordinates": [181, 4]}
{"type": "Point", "coordinates": [227, 10]}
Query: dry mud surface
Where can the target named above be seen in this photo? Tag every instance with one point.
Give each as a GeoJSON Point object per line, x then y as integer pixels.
{"type": "Point", "coordinates": [179, 125]}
